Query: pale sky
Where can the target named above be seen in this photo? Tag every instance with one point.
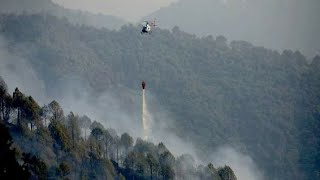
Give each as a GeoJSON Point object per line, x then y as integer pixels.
{"type": "Point", "coordinates": [130, 10]}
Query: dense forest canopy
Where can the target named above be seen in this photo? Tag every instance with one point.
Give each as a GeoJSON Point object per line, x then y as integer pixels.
{"type": "Point", "coordinates": [262, 102]}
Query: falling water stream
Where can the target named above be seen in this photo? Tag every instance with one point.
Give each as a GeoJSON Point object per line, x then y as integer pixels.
{"type": "Point", "coordinates": [145, 116]}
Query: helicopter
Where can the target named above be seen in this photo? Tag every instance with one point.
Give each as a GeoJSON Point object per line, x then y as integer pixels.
{"type": "Point", "coordinates": [148, 26]}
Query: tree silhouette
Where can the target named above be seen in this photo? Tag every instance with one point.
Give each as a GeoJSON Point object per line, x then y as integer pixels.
{"type": "Point", "coordinates": [9, 167]}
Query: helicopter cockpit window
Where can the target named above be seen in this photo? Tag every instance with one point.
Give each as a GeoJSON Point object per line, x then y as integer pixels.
{"type": "Point", "coordinates": [148, 27]}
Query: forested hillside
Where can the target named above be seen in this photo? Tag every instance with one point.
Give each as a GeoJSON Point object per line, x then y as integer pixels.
{"type": "Point", "coordinates": [44, 143]}
{"type": "Point", "coordinates": [259, 101]}
{"type": "Point", "coordinates": [277, 24]}
{"type": "Point", "coordinates": [50, 8]}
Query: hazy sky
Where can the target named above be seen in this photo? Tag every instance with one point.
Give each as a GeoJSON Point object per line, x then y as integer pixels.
{"type": "Point", "coordinates": [131, 10]}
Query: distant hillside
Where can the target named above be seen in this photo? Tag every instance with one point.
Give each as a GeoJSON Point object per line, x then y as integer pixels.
{"type": "Point", "coordinates": [259, 101]}
{"type": "Point", "coordinates": [48, 7]}
{"type": "Point", "coordinates": [292, 24]}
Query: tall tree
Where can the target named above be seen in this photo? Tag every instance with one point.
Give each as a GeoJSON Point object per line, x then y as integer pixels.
{"type": "Point", "coordinates": [17, 103]}
{"type": "Point", "coordinates": [130, 160]}
{"type": "Point", "coordinates": [167, 162]}
{"type": "Point", "coordinates": [60, 134]}
{"type": "Point", "coordinates": [56, 110]}
{"type": "Point", "coordinates": [8, 107]}
{"type": "Point", "coordinates": [85, 123]}
{"type": "Point", "coordinates": [3, 92]}
{"type": "Point", "coordinates": [31, 111]}
{"type": "Point", "coordinates": [126, 141]}
{"type": "Point", "coordinates": [153, 164]}
{"type": "Point", "coordinates": [117, 145]}
{"type": "Point", "coordinates": [97, 140]}
{"type": "Point", "coordinates": [45, 114]}
{"type": "Point", "coordinates": [108, 140]}
{"type": "Point", "coordinates": [167, 172]}
{"type": "Point", "coordinates": [73, 127]}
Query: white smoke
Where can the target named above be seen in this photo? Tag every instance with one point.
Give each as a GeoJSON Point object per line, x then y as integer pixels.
{"type": "Point", "coordinates": [242, 164]}
{"type": "Point", "coordinates": [159, 128]}
{"type": "Point", "coordinates": [17, 72]}
{"type": "Point", "coordinates": [105, 109]}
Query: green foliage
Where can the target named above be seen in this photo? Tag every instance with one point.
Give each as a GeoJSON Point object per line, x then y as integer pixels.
{"type": "Point", "coordinates": [44, 136]}
{"type": "Point", "coordinates": [226, 173]}
{"type": "Point", "coordinates": [63, 170]}
{"type": "Point", "coordinates": [129, 162]}
{"type": "Point", "coordinates": [96, 125]}
{"type": "Point", "coordinates": [97, 133]}
{"type": "Point", "coordinates": [74, 128]}
{"type": "Point", "coordinates": [166, 158]}
{"type": "Point", "coordinates": [126, 141]}
{"type": "Point", "coordinates": [56, 110]}
{"type": "Point", "coordinates": [17, 102]}
{"type": "Point", "coordinates": [31, 111]}
{"type": "Point", "coordinates": [60, 134]}
{"type": "Point", "coordinates": [153, 164]}
{"type": "Point", "coordinates": [110, 168]}
{"type": "Point", "coordinates": [213, 172]}
{"type": "Point", "coordinates": [309, 122]}
{"type": "Point", "coordinates": [167, 172]}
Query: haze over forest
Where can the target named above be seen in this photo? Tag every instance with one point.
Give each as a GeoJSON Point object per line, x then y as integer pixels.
{"type": "Point", "coordinates": [218, 95]}
{"type": "Point", "coordinates": [277, 24]}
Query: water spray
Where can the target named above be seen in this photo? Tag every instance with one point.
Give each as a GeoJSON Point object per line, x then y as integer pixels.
{"type": "Point", "coordinates": [145, 113]}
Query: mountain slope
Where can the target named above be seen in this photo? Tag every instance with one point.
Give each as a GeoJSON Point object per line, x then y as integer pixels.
{"type": "Point", "coordinates": [274, 24]}
{"type": "Point", "coordinates": [217, 93]}
{"type": "Point", "coordinates": [48, 7]}
{"type": "Point", "coordinates": [42, 143]}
